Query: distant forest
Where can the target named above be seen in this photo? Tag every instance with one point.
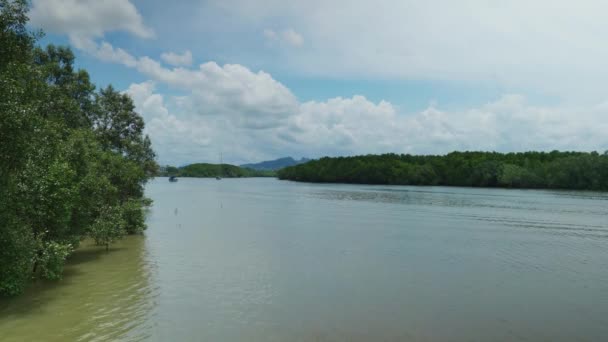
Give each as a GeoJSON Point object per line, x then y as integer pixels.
{"type": "Point", "coordinates": [552, 170]}
{"type": "Point", "coordinates": [212, 170]}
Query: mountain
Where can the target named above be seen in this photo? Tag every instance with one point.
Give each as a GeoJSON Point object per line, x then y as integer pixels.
{"type": "Point", "coordinates": [273, 165]}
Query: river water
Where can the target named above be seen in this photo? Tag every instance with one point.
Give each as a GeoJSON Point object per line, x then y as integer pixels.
{"type": "Point", "coordinates": [270, 260]}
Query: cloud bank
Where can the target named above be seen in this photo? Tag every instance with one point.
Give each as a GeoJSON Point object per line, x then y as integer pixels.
{"type": "Point", "coordinates": [249, 115]}
{"type": "Point", "coordinates": [223, 113]}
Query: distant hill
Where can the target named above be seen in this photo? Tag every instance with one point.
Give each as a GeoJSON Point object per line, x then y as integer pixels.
{"type": "Point", "coordinates": [213, 170]}
{"type": "Point", "coordinates": [273, 165]}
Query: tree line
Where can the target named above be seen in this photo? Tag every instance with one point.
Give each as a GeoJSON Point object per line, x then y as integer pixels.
{"type": "Point", "coordinates": [73, 159]}
{"type": "Point", "coordinates": [552, 170]}
{"type": "Point", "coordinates": [204, 170]}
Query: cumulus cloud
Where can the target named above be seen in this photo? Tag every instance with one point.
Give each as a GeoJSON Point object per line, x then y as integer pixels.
{"type": "Point", "coordinates": [220, 112]}
{"type": "Point", "coordinates": [228, 90]}
{"type": "Point", "coordinates": [88, 18]}
{"type": "Point", "coordinates": [176, 138]}
{"type": "Point", "coordinates": [85, 21]}
{"type": "Point", "coordinates": [288, 36]}
{"type": "Point", "coordinates": [254, 99]}
{"type": "Point", "coordinates": [176, 59]}
{"type": "Point", "coordinates": [358, 126]}
{"type": "Point", "coordinates": [251, 116]}
{"type": "Point", "coordinates": [103, 51]}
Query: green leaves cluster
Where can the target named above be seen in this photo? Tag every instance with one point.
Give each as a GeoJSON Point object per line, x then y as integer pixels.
{"type": "Point", "coordinates": [73, 160]}
{"type": "Point", "coordinates": [108, 227]}
{"type": "Point", "coordinates": [51, 258]}
{"type": "Point", "coordinates": [554, 170]}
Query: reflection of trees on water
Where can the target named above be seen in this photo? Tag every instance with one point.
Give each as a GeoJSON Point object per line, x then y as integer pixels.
{"type": "Point", "coordinates": [103, 295]}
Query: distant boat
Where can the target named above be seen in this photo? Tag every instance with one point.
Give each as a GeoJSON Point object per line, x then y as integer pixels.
{"type": "Point", "coordinates": [173, 179]}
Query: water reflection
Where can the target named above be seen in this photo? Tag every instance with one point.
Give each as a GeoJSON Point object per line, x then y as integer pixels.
{"type": "Point", "coordinates": [102, 296]}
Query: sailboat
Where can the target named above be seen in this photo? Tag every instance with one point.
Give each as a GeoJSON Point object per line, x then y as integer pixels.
{"type": "Point", "coordinates": [218, 177]}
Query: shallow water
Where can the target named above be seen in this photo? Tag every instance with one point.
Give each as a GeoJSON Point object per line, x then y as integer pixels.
{"type": "Point", "coordinates": [269, 260]}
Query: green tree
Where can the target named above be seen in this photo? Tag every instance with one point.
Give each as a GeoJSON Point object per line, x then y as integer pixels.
{"type": "Point", "coordinates": [108, 227]}
{"type": "Point", "coordinates": [16, 41]}
{"type": "Point", "coordinates": [51, 258]}
{"type": "Point", "coordinates": [73, 162]}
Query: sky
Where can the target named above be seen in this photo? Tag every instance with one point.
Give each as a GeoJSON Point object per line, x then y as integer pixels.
{"type": "Point", "coordinates": [257, 80]}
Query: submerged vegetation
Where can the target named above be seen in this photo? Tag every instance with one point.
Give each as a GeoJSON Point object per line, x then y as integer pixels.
{"type": "Point", "coordinates": [554, 170]}
{"type": "Point", "coordinates": [73, 160]}
{"type": "Point", "coordinates": [205, 170]}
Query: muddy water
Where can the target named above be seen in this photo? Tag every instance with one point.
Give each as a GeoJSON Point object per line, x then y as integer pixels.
{"type": "Point", "coordinates": [267, 260]}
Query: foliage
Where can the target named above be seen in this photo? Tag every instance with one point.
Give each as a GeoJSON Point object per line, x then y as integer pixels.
{"type": "Point", "coordinates": [556, 170]}
{"type": "Point", "coordinates": [108, 227]}
{"type": "Point", "coordinates": [133, 216]}
{"type": "Point", "coordinates": [16, 41]}
{"type": "Point", "coordinates": [17, 252]}
{"type": "Point", "coordinates": [73, 161]}
{"type": "Point", "coordinates": [52, 257]}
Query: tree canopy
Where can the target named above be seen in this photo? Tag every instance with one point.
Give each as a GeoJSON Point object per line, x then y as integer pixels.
{"type": "Point", "coordinates": [73, 159]}
{"type": "Point", "coordinates": [555, 170]}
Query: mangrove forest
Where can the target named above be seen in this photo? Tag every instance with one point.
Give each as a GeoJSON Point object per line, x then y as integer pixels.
{"type": "Point", "coordinates": [551, 170]}
{"type": "Point", "coordinates": [73, 158]}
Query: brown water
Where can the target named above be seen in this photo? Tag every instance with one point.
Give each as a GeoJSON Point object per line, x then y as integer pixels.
{"type": "Point", "coordinates": [102, 296]}
{"type": "Point", "coordinates": [267, 260]}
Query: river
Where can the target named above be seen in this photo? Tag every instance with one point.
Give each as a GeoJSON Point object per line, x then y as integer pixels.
{"type": "Point", "coordinates": [269, 260]}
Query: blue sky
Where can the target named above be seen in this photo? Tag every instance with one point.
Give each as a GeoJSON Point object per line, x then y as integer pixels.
{"type": "Point", "coordinates": [265, 79]}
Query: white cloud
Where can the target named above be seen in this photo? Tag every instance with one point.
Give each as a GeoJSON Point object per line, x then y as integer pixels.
{"type": "Point", "coordinates": [104, 51]}
{"type": "Point", "coordinates": [292, 37]}
{"type": "Point", "coordinates": [250, 116]}
{"type": "Point", "coordinates": [357, 126]}
{"type": "Point", "coordinates": [176, 59]}
{"type": "Point", "coordinates": [88, 18]}
{"type": "Point", "coordinates": [253, 99]}
{"type": "Point", "coordinates": [175, 138]}
{"type": "Point", "coordinates": [347, 126]}
{"type": "Point", "coordinates": [552, 46]}
{"type": "Point", "coordinates": [288, 36]}
{"type": "Point", "coordinates": [270, 34]}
